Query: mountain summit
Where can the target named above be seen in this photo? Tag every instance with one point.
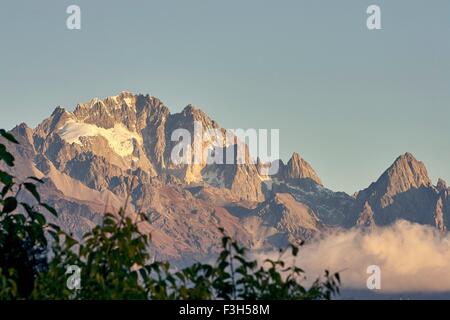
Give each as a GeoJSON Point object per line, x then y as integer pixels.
{"type": "Point", "coordinates": [109, 150]}
{"type": "Point", "coordinates": [405, 173]}
{"type": "Point", "coordinates": [403, 191]}
{"type": "Point", "coordinates": [298, 168]}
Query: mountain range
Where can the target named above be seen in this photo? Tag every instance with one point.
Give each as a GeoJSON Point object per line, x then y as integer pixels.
{"type": "Point", "coordinates": [116, 152]}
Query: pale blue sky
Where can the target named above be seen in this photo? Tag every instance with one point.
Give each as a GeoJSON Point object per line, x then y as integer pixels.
{"type": "Point", "coordinates": [347, 99]}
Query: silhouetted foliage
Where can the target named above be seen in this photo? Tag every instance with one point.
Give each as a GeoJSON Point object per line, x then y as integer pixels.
{"type": "Point", "coordinates": [23, 245]}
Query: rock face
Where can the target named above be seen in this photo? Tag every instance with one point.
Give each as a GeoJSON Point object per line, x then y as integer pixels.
{"type": "Point", "coordinates": [404, 191]}
{"type": "Point", "coordinates": [281, 220]}
{"type": "Point", "coordinates": [298, 168]}
{"type": "Point", "coordinates": [439, 216]}
{"type": "Point", "coordinates": [365, 218]}
{"type": "Point", "coordinates": [442, 209]}
{"type": "Point", "coordinates": [104, 139]}
{"type": "Point", "coordinates": [332, 208]}
{"type": "Point", "coordinates": [106, 149]}
{"type": "Point", "coordinates": [405, 173]}
{"type": "Point", "coordinates": [441, 186]}
{"type": "Point", "coordinates": [122, 147]}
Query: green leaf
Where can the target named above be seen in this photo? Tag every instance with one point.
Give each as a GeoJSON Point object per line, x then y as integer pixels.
{"type": "Point", "coordinates": [54, 235]}
{"type": "Point", "coordinates": [54, 227]}
{"type": "Point", "coordinates": [294, 250]}
{"type": "Point", "coordinates": [9, 205]}
{"type": "Point", "coordinates": [6, 189]}
{"type": "Point", "coordinates": [8, 136]}
{"type": "Point", "coordinates": [36, 179]}
{"type": "Point", "coordinates": [19, 218]}
{"type": "Point", "coordinates": [39, 218]}
{"type": "Point", "coordinates": [70, 242]}
{"type": "Point", "coordinates": [50, 209]}
{"type": "Point", "coordinates": [338, 277]}
{"type": "Point", "coordinates": [28, 208]}
{"type": "Point", "coordinates": [5, 178]}
{"type": "Point", "coordinates": [32, 189]}
{"type": "Point", "coordinates": [6, 156]}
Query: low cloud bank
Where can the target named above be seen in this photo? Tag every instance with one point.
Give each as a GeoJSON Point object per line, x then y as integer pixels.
{"type": "Point", "coordinates": [411, 257]}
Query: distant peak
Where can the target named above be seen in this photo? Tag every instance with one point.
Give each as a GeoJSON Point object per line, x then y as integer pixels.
{"type": "Point", "coordinates": [58, 110]}
{"type": "Point", "coordinates": [407, 162]}
{"type": "Point", "coordinates": [441, 184]}
{"type": "Point", "coordinates": [125, 93]}
{"type": "Point", "coordinates": [296, 157]}
{"type": "Point", "coordinates": [191, 109]}
{"type": "Point", "coordinates": [22, 129]}
{"type": "Point", "coordinates": [89, 104]}
{"type": "Point", "coordinates": [22, 125]}
{"type": "Point", "coordinates": [407, 156]}
{"type": "Point", "coordinates": [122, 96]}
{"type": "Point", "coordinates": [110, 102]}
{"type": "Point", "coordinates": [298, 168]}
{"type": "Point", "coordinates": [405, 173]}
{"type": "Point", "coordinates": [198, 115]}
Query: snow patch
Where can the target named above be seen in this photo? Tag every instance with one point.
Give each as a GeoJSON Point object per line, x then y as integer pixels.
{"type": "Point", "coordinates": [119, 138]}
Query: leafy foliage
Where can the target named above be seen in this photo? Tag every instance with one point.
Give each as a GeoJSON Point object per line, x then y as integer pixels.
{"type": "Point", "coordinates": [235, 276]}
{"type": "Point", "coordinates": [115, 264]}
{"type": "Point", "coordinates": [23, 245]}
{"type": "Point", "coordinates": [114, 261]}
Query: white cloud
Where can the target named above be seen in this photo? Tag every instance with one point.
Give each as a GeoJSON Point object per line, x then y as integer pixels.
{"type": "Point", "coordinates": [412, 257]}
